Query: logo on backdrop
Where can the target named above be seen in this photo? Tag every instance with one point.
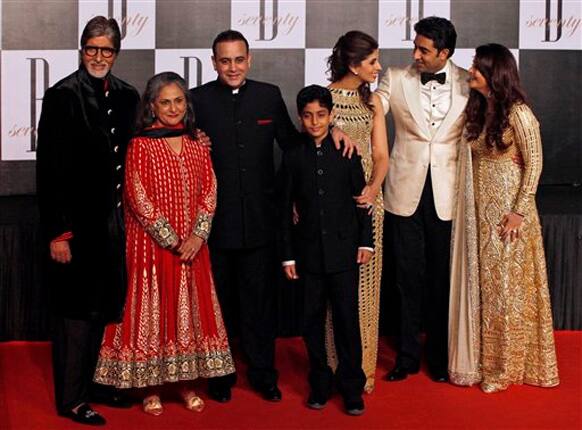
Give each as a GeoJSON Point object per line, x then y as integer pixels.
{"type": "Point", "coordinates": [194, 65]}
{"type": "Point", "coordinates": [135, 23]}
{"type": "Point", "coordinates": [136, 20]}
{"type": "Point", "coordinates": [270, 23]}
{"type": "Point", "coordinates": [396, 19]}
{"type": "Point", "coordinates": [26, 76]}
{"type": "Point", "coordinates": [550, 24]}
{"type": "Point", "coordinates": [463, 57]}
{"type": "Point", "coordinates": [36, 94]}
{"type": "Point", "coordinates": [408, 20]}
{"type": "Point", "coordinates": [193, 79]}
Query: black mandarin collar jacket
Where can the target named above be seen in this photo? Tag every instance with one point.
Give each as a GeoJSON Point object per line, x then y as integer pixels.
{"type": "Point", "coordinates": [82, 139]}
{"type": "Point", "coordinates": [321, 183]}
{"type": "Point", "coordinates": [243, 128]}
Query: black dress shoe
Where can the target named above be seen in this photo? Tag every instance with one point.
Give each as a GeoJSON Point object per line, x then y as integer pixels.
{"type": "Point", "coordinates": [316, 402]}
{"type": "Point", "coordinates": [400, 373]}
{"type": "Point", "coordinates": [354, 407]}
{"type": "Point", "coordinates": [86, 415]}
{"type": "Point", "coordinates": [271, 393]}
{"type": "Point", "coordinates": [220, 394]}
{"type": "Point", "coordinates": [115, 399]}
{"type": "Point", "coordinates": [439, 376]}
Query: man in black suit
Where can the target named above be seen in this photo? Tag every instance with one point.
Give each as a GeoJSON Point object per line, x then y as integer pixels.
{"type": "Point", "coordinates": [243, 117]}
{"type": "Point", "coordinates": [85, 125]}
{"type": "Point", "coordinates": [331, 238]}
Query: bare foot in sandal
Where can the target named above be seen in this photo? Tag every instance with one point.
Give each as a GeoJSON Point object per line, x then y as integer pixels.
{"type": "Point", "coordinates": [192, 401]}
{"type": "Point", "coordinates": [153, 405]}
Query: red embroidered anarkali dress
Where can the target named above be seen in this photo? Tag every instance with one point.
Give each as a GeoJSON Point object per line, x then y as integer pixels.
{"type": "Point", "coordinates": [172, 328]}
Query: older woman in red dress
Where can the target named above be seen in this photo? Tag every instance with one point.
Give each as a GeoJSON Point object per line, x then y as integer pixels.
{"type": "Point", "coordinates": [172, 328]}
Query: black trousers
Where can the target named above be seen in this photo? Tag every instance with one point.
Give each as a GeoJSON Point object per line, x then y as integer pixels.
{"type": "Point", "coordinates": [245, 285]}
{"type": "Point", "coordinates": [76, 345]}
{"type": "Point", "coordinates": [421, 248]}
{"type": "Point", "coordinates": [341, 290]}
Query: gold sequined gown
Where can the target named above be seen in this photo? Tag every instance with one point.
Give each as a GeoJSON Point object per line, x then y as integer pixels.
{"type": "Point", "coordinates": [356, 120]}
{"type": "Point", "coordinates": [500, 316]}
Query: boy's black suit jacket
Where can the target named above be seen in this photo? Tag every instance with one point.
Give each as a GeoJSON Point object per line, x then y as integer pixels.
{"type": "Point", "coordinates": [322, 183]}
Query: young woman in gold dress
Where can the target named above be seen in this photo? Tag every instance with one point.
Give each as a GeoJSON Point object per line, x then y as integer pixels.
{"type": "Point", "coordinates": [354, 65]}
{"type": "Point", "coordinates": [500, 328]}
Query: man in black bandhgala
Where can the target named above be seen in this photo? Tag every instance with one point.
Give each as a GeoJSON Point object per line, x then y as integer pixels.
{"type": "Point", "coordinates": [84, 129]}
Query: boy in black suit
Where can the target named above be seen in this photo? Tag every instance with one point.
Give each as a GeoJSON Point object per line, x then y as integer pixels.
{"type": "Point", "coordinates": [326, 246]}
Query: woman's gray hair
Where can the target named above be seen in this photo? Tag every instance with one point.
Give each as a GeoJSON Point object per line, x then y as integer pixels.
{"type": "Point", "coordinates": [146, 118]}
{"type": "Point", "coordinates": [101, 26]}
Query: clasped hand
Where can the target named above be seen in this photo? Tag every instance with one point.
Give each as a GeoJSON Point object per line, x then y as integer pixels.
{"type": "Point", "coordinates": [61, 251]}
{"type": "Point", "coordinates": [188, 248]}
{"type": "Point", "coordinates": [509, 226]}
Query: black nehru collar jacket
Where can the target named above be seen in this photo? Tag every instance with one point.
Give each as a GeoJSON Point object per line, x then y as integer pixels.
{"type": "Point", "coordinates": [243, 128]}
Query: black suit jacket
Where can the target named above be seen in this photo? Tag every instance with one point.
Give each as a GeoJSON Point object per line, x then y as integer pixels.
{"type": "Point", "coordinates": [243, 128]}
{"type": "Point", "coordinates": [82, 139]}
{"type": "Point", "coordinates": [322, 183]}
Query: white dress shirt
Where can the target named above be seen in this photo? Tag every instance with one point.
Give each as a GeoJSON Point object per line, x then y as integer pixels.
{"type": "Point", "coordinates": [435, 99]}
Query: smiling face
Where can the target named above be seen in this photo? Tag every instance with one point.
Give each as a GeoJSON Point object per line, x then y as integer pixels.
{"type": "Point", "coordinates": [369, 68]}
{"type": "Point", "coordinates": [316, 120]}
{"type": "Point", "coordinates": [477, 81]}
{"type": "Point", "coordinates": [427, 58]}
{"type": "Point", "coordinates": [232, 62]}
{"type": "Point", "coordinates": [98, 56]}
{"type": "Point", "coordinates": [169, 107]}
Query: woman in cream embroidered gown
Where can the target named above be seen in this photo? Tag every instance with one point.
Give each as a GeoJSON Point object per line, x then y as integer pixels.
{"type": "Point", "coordinates": [500, 327]}
{"type": "Point", "coordinates": [354, 65]}
{"type": "Point", "coordinates": [172, 328]}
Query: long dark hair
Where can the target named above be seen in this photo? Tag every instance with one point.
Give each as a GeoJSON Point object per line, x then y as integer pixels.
{"type": "Point", "coordinates": [146, 118]}
{"type": "Point", "coordinates": [350, 50]}
{"type": "Point", "coordinates": [498, 67]}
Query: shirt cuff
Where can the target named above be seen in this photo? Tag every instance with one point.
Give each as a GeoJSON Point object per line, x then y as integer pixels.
{"type": "Point", "coordinates": [288, 263]}
{"type": "Point", "coordinates": [68, 235]}
{"type": "Point", "coordinates": [366, 248]}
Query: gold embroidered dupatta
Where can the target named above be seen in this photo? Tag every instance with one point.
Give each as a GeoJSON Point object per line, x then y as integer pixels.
{"type": "Point", "coordinates": [464, 299]}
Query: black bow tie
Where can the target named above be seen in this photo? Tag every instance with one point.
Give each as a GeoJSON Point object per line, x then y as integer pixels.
{"type": "Point", "coordinates": [427, 77]}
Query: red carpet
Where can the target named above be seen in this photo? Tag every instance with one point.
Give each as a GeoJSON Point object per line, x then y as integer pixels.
{"type": "Point", "coordinates": [26, 399]}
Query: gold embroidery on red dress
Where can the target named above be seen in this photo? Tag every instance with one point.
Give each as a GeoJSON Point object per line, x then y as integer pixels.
{"type": "Point", "coordinates": [172, 329]}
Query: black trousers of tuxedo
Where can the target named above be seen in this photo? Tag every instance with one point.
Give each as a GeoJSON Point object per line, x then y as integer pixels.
{"type": "Point", "coordinates": [75, 350]}
{"type": "Point", "coordinates": [341, 291]}
{"type": "Point", "coordinates": [421, 248]}
{"type": "Point", "coordinates": [245, 285]}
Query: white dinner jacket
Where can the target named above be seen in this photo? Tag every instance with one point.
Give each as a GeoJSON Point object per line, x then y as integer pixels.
{"type": "Point", "coordinates": [416, 147]}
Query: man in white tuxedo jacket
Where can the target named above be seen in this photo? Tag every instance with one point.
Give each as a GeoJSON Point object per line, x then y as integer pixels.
{"type": "Point", "coordinates": [427, 100]}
